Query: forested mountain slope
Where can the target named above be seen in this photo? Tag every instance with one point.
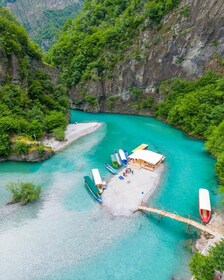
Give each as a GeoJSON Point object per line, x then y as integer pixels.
{"type": "Point", "coordinates": [32, 102]}
{"type": "Point", "coordinates": [116, 53]}
{"type": "Point", "coordinates": [115, 56]}
{"type": "Point", "coordinates": [42, 19]}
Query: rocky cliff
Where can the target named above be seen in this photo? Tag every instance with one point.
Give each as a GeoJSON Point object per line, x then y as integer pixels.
{"type": "Point", "coordinates": [43, 18]}
{"type": "Point", "coordinates": [189, 40]}
{"type": "Point", "coordinates": [32, 102]}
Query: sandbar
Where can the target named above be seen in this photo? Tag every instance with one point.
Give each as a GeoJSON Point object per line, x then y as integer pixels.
{"type": "Point", "coordinates": [122, 197]}
{"type": "Point", "coordinates": [72, 133]}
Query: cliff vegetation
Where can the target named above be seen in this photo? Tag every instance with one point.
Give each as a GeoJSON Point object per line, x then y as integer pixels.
{"type": "Point", "coordinates": [42, 19]}
{"type": "Point", "coordinates": [98, 37]}
{"type": "Point", "coordinates": [31, 103]}
{"type": "Point", "coordinates": [197, 107]}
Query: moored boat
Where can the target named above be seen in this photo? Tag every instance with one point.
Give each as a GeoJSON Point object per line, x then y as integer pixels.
{"type": "Point", "coordinates": [204, 205]}
{"type": "Point", "coordinates": [110, 168]}
{"type": "Point", "coordinates": [118, 158]}
{"type": "Point", "coordinates": [97, 179]}
{"type": "Point", "coordinates": [114, 160]}
{"type": "Point", "coordinates": [123, 157]}
{"type": "Point", "coordinates": [92, 188]}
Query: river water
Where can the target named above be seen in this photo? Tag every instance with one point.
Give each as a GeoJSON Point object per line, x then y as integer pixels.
{"type": "Point", "coordinates": [67, 235]}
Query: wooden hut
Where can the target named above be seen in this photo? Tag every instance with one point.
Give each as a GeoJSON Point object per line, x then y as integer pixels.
{"type": "Point", "coordinates": [146, 159]}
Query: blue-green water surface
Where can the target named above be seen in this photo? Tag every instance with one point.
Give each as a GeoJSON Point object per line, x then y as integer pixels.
{"type": "Point", "coordinates": [67, 235]}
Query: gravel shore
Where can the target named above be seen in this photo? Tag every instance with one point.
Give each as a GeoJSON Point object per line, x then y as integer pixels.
{"type": "Point", "coordinates": [122, 197]}
{"type": "Point", "coordinates": [205, 242]}
{"type": "Point", "coordinates": [72, 133]}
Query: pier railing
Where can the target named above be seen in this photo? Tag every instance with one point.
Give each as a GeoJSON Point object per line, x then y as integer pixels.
{"type": "Point", "coordinates": [206, 228]}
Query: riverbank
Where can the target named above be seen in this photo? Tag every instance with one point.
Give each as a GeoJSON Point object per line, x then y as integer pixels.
{"type": "Point", "coordinates": [72, 133]}
{"type": "Point", "coordinates": [205, 242]}
{"type": "Point", "coordinates": [122, 197]}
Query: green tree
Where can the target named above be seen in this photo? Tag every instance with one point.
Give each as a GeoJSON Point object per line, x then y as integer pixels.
{"type": "Point", "coordinates": [21, 148]}
{"type": "Point", "coordinates": [4, 145]}
{"type": "Point", "coordinates": [204, 267]}
{"type": "Point", "coordinates": [59, 134]}
{"type": "Point", "coordinates": [23, 192]}
{"type": "Point", "coordinates": [55, 120]}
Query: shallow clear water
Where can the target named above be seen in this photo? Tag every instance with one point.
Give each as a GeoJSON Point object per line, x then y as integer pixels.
{"type": "Point", "coordinates": [67, 235]}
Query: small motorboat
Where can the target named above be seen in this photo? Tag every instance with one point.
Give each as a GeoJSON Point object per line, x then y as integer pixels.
{"type": "Point", "coordinates": [123, 157]}
{"type": "Point", "coordinates": [97, 179]}
{"type": "Point", "coordinates": [92, 188]}
{"type": "Point", "coordinates": [110, 168]}
{"type": "Point", "coordinates": [114, 160]}
{"type": "Point", "coordinates": [204, 205]}
{"type": "Point", "coordinates": [118, 158]}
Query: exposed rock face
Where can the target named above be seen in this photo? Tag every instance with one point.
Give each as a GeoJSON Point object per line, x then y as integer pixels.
{"type": "Point", "coordinates": [190, 41]}
{"type": "Point", "coordinates": [10, 69]}
{"type": "Point", "coordinates": [32, 157]}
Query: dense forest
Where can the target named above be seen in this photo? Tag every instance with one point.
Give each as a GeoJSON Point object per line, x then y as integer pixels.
{"type": "Point", "coordinates": [197, 107]}
{"type": "Point", "coordinates": [98, 37]}
{"type": "Point", "coordinates": [49, 18]}
{"type": "Point", "coordinates": [32, 107]}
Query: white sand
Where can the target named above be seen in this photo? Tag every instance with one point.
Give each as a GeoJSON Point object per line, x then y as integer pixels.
{"type": "Point", "coordinates": [122, 197]}
{"type": "Point", "coordinates": [72, 133]}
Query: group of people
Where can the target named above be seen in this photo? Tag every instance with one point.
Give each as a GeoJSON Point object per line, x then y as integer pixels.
{"type": "Point", "coordinates": [128, 171]}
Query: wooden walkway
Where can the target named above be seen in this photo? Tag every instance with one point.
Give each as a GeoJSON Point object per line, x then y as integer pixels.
{"type": "Point", "coordinates": [207, 228]}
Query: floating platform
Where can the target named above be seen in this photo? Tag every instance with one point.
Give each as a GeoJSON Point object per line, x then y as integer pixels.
{"type": "Point", "coordinates": [141, 147]}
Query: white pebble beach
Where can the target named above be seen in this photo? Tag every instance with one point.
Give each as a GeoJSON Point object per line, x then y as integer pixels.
{"type": "Point", "coordinates": [72, 133]}
{"type": "Point", "coordinates": [122, 197]}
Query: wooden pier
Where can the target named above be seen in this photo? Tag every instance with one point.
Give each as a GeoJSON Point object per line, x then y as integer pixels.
{"type": "Point", "coordinates": [207, 228]}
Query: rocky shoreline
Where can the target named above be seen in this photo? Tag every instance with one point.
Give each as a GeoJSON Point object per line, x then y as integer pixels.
{"type": "Point", "coordinates": [205, 242]}
{"type": "Point", "coordinates": [51, 145]}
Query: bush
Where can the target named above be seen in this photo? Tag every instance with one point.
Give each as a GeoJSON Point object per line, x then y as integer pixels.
{"type": "Point", "coordinates": [23, 192]}
{"type": "Point", "coordinates": [4, 145]}
{"type": "Point", "coordinates": [41, 149]}
{"type": "Point", "coordinates": [59, 134]}
{"type": "Point", "coordinates": [55, 120]}
{"type": "Point", "coordinates": [21, 148]}
{"type": "Point", "coordinates": [204, 267]}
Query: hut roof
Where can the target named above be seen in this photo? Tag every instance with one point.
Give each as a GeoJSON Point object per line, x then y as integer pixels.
{"type": "Point", "coordinates": [148, 156]}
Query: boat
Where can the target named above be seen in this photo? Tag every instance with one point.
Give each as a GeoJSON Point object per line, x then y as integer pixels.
{"type": "Point", "coordinates": [114, 160]}
{"type": "Point", "coordinates": [92, 188]}
{"type": "Point", "coordinates": [126, 154]}
{"type": "Point", "coordinates": [123, 157]}
{"type": "Point", "coordinates": [118, 158]}
{"type": "Point", "coordinates": [204, 205]}
{"type": "Point", "coordinates": [97, 179]}
{"type": "Point", "coordinates": [110, 168]}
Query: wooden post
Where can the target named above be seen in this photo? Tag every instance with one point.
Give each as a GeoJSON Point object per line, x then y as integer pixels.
{"type": "Point", "coordinates": [187, 227]}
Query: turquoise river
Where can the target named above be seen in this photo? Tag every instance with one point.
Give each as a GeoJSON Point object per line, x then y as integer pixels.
{"type": "Point", "coordinates": [66, 235]}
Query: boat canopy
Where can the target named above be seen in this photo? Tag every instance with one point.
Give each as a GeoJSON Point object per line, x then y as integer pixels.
{"type": "Point", "coordinates": [91, 184]}
{"type": "Point", "coordinates": [113, 158]}
{"type": "Point", "coordinates": [96, 177]}
{"type": "Point", "coordinates": [122, 155]}
{"type": "Point", "coordinates": [204, 200]}
{"type": "Point", "coordinates": [141, 147]}
{"type": "Point", "coordinates": [148, 156]}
